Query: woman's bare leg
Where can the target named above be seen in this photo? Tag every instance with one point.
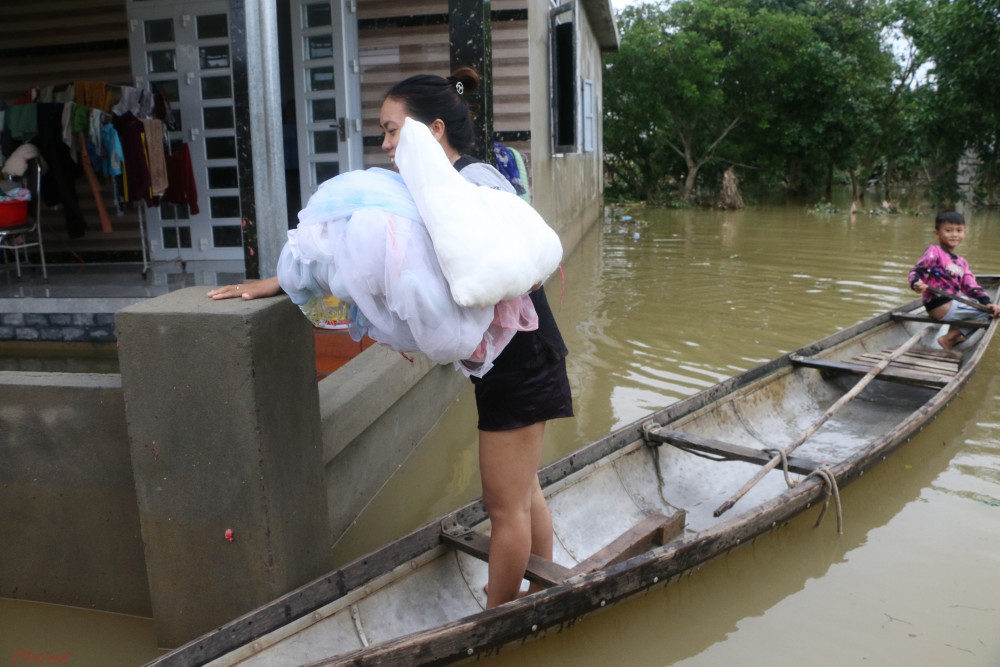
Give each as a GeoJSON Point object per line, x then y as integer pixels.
{"type": "Point", "coordinates": [508, 465]}
{"type": "Point", "coordinates": [541, 529]}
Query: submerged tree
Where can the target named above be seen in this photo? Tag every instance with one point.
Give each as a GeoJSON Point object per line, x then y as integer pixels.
{"type": "Point", "coordinates": [665, 114]}
{"type": "Point", "coordinates": [960, 113]}
{"type": "Point", "coordinates": [785, 87]}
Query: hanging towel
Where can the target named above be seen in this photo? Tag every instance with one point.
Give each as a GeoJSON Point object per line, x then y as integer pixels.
{"type": "Point", "coordinates": [507, 164]}
{"type": "Point", "coordinates": [523, 172]}
{"type": "Point", "coordinates": [135, 101]}
{"type": "Point", "coordinates": [93, 94]}
{"type": "Point", "coordinates": [180, 176]}
{"type": "Point", "coordinates": [22, 119]}
{"type": "Point", "coordinates": [136, 176]}
{"type": "Point", "coordinates": [60, 94]}
{"type": "Point", "coordinates": [153, 129]}
{"type": "Point", "coordinates": [94, 136]}
{"type": "Point", "coordinates": [113, 155]}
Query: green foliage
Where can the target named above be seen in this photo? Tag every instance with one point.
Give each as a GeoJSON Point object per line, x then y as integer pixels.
{"type": "Point", "coordinates": [961, 41]}
{"type": "Point", "coordinates": [794, 92]}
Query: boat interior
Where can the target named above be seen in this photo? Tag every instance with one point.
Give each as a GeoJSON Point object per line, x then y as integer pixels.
{"type": "Point", "coordinates": [664, 486]}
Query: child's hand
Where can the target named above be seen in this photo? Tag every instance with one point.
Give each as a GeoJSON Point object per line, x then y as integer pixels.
{"type": "Point", "coordinates": [994, 310]}
{"type": "Point", "coordinates": [919, 286]}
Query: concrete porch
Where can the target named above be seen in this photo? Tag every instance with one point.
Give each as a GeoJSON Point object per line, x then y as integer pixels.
{"type": "Point", "coordinates": [103, 287]}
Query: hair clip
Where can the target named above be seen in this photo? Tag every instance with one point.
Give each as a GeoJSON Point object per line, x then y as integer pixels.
{"type": "Point", "coordinates": [459, 87]}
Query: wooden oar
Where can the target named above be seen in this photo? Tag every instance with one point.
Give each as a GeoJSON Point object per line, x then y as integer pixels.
{"type": "Point", "coordinates": [841, 402]}
{"type": "Point", "coordinates": [972, 303]}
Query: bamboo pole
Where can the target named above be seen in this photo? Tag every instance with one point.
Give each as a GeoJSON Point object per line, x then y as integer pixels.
{"type": "Point", "coordinates": [841, 402]}
{"type": "Point", "coordinates": [961, 299]}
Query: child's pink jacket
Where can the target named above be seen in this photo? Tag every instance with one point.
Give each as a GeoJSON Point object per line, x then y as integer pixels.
{"type": "Point", "coordinates": [942, 270]}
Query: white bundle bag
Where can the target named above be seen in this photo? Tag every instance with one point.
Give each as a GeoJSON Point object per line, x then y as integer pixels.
{"type": "Point", "coordinates": [492, 245]}
{"type": "Point", "coordinates": [361, 239]}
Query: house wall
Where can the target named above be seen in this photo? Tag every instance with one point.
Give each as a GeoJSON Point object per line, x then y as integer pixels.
{"type": "Point", "coordinates": [397, 40]}
{"type": "Point", "coordinates": [568, 188]}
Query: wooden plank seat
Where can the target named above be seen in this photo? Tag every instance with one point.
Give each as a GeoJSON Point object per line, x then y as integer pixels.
{"type": "Point", "coordinates": [907, 317]}
{"type": "Point", "coordinates": [921, 368]}
{"type": "Point", "coordinates": [540, 570]}
{"type": "Point", "coordinates": [654, 530]}
{"type": "Point", "coordinates": [727, 450]}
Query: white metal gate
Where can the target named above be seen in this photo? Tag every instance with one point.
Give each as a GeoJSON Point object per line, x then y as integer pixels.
{"type": "Point", "coordinates": [327, 89]}
{"type": "Point", "coordinates": [183, 51]}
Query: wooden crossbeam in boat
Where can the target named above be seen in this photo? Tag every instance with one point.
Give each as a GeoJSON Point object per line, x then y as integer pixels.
{"type": "Point", "coordinates": [906, 317]}
{"type": "Point", "coordinates": [893, 373]}
{"type": "Point", "coordinates": [728, 450]}
{"type": "Point", "coordinates": [540, 570]}
{"type": "Point", "coordinates": [655, 530]}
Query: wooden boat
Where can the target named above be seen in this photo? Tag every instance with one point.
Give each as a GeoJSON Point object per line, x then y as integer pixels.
{"type": "Point", "coordinates": [630, 511]}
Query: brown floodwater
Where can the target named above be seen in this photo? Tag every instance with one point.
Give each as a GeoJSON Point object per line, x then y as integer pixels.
{"type": "Point", "coordinates": [660, 306]}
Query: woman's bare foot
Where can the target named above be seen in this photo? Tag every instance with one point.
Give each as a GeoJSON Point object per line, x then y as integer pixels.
{"type": "Point", "coordinates": [520, 593]}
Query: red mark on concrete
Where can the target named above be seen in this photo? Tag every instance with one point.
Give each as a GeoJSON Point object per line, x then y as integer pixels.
{"type": "Point", "coordinates": [29, 657]}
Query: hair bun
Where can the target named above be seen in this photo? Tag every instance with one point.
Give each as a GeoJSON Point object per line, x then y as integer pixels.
{"type": "Point", "coordinates": [465, 80]}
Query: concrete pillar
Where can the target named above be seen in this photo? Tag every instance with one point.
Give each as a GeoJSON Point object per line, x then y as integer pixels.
{"type": "Point", "coordinates": [260, 159]}
{"type": "Point", "coordinates": [470, 44]}
{"type": "Point", "coordinates": [223, 423]}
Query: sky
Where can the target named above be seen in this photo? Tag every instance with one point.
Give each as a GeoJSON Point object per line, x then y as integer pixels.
{"type": "Point", "coordinates": [619, 5]}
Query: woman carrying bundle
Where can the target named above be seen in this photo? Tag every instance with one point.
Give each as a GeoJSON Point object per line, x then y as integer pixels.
{"type": "Point", "coordinates": [527, 385]}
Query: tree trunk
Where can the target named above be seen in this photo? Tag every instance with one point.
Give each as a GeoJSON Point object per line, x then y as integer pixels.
{"type": "Point", "coordinates": [689, 181]}
{"type": "Point", "coordinates": [856, 195]}
{"type": "Point", "coordinates": [730, 196]}
{"type": "Point", "coordinates": [793, 177]}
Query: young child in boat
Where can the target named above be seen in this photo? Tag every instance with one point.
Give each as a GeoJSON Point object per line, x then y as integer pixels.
{"type": "Point", "coordinates": [941, 269]}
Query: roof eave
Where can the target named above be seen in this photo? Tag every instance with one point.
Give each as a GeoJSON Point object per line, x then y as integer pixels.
{"type": "Point", "coordinates": [602, 22]}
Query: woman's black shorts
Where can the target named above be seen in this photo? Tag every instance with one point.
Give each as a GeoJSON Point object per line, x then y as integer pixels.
{"type": "Point", "coordinates": [516, 397]}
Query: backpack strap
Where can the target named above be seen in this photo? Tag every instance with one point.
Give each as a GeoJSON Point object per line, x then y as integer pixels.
{"type": "Point", "coordinates": [465, 161]}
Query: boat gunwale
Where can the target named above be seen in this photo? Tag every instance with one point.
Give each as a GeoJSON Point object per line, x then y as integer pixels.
{"type": "Point", "coordinates": [585, 593]}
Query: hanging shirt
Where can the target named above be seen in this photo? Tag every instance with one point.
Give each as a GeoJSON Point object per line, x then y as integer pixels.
{"type": "Point", "coordinates": [136, 177]}
{"type": "Point", "coordinates": [112, 155]}
{"type": "Point", "coordinates": [22, 120]}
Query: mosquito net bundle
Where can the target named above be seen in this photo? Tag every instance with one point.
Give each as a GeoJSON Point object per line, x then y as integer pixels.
{"type": "Point", "coordinates": [364, 239]}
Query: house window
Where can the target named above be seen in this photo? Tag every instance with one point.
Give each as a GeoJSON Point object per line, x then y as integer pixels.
{"type": "Point", "coordinates": [563, 79]}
